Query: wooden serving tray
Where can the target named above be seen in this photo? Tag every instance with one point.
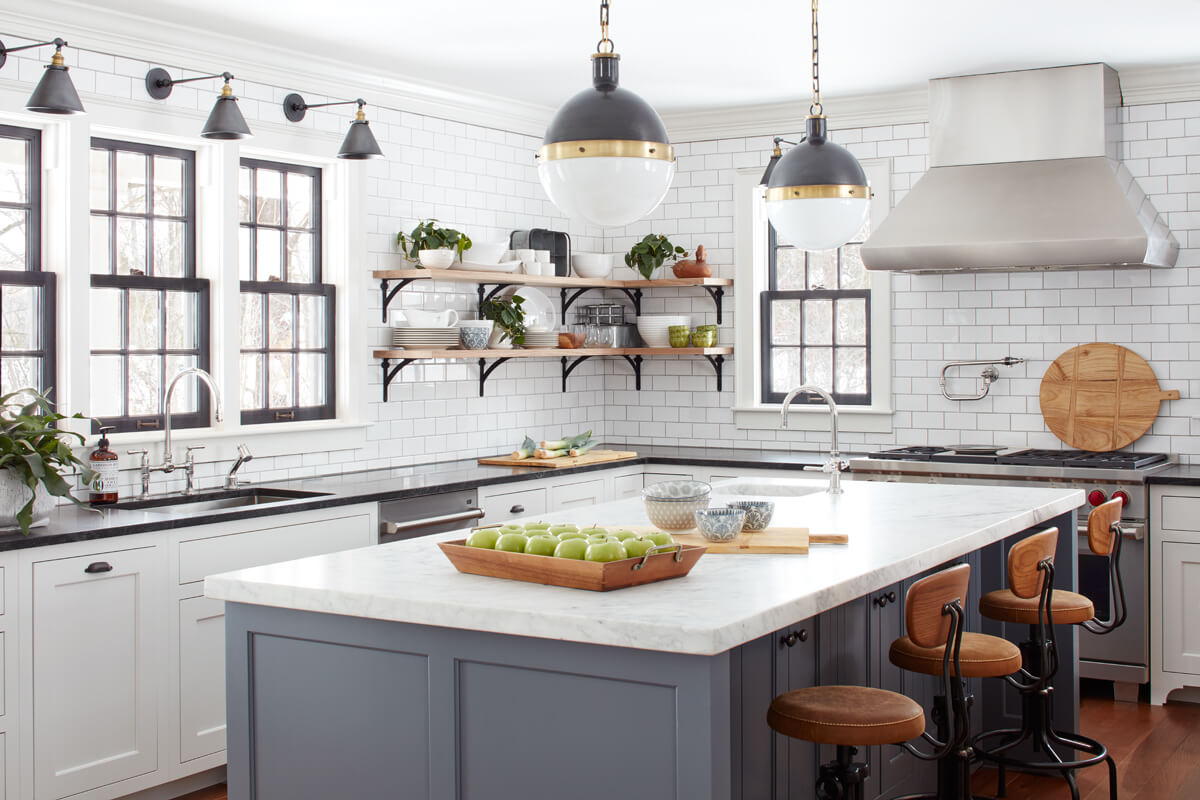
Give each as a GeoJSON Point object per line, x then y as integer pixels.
{"type": "Point", "coordinates": [573, 573]}
{"type": "Point", "coordinates": [772, 541]}
{"type": "Point", "coordinates": [592, 457]}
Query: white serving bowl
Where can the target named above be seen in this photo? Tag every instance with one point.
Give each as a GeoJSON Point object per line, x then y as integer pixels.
{"type": "Point", "coordinates": [486, 252]}
{"type": "Point", "coordinates": [594, 265]}
{"type": "Point", "coordinates": [654, 328]}
{"type": "Point", "coordinates": [676, 490]}
{"type": "Point", "coordinates": [435, 259]}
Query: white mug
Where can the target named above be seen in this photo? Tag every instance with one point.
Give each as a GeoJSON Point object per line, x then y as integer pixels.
{"type": "Point", "coordinates": [420, 318]}
{"type": "Point", "coordinates": [531, 267]}
{"type": "Point", "coordinates": [541, 255]}
{"type": "Point", "coordinates": [524, 255]}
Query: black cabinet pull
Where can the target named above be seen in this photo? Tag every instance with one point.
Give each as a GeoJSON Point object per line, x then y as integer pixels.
{"type": "Point", "coordinates": [517, 510]}
{"type": "Point", "coordinates": [97, 567]}
{"type": "Point", "coordinates": [795, 636]}
{"type": "Point", "coordinates": [884, 599]}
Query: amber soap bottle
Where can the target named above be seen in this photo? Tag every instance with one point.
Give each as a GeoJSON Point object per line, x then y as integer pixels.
{"type": "Point", "coordinates": [103, 462]}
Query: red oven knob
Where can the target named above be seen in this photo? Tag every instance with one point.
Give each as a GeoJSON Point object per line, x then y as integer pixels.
{"type": "Point", "coordinates": [1097, 497]}
{"type": "Point", "coordinates": [1123, 497]}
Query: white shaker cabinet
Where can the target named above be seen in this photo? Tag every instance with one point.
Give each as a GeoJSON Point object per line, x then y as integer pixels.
{"type": "Point", "coordinates": [98, 661]}
{"type": "Point", "coordinates": [201, 678]}
{"type": "Point", "coordinates": [1175, 590]}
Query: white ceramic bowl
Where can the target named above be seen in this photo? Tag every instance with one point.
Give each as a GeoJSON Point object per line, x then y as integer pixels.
{"type": "Point", "coordinates": [654, 328]}
{"type": "Point", "coordinates": [674, 515]}
{"type": "Point", "coordinates": [676, 490]}
{"type": "Point", "coordinates": [435, 259]}
{"type": "Point", "coordinates": [486, 252]}
{"type": "Point", "coordinates": [594, 265]}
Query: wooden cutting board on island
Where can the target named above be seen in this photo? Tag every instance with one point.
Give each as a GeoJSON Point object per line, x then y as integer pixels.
{"type": "Point", "coordinates": [772, 541]}
{"type": "Point", "coordinates": [593, 457]}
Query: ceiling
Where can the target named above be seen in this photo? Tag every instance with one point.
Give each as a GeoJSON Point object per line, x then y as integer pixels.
{"type": "Point", "coordinates": [691, 55]}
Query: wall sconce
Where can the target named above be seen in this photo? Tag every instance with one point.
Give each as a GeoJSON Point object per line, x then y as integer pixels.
{"type": "Point", "coordinates": [775, 156]}
{"type": "Point", "coordinates": [225, 121]}
{"type": "Point", "coordinates": [359, 143]}
{"type": "Point", "coordinates": [54, 94]}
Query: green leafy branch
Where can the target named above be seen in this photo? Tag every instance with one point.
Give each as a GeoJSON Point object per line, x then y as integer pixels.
{"type": "Point", "coordinates": [508, 315]}
{"type": "Point", "coordinates": [429, 236]}
{"type": "Point", "coordinates": [651, 253]}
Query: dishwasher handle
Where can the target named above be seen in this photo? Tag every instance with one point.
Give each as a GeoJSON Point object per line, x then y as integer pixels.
{"type": "Point", "coordinates": [393, 528]}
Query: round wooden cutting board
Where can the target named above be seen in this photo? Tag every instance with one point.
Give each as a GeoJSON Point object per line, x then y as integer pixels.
{"type": "Point", "coordinates": [1101, 397]}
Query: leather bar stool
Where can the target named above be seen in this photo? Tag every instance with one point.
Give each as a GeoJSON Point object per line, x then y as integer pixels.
{"type": "Point", "coordinates": [1031, 599]}
{"type": "Point", "coordinates": [932, 606]}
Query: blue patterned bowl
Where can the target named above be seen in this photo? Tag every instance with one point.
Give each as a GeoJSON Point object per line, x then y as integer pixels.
{"type": "Point", "coordinates": [758, 513]}
{"type": "Point", "coordinates": [677, 490]}
{"type": "Point", "coordinates": [474, 338]}
{"type": "Point", "coordinates": [720, 524]}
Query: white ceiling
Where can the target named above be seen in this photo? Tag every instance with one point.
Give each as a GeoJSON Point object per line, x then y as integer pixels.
{"type": "Point", "coordinates": [684, 55]}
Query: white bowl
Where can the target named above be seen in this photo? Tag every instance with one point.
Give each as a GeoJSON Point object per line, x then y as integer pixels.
{"type": "Point", "coordinates": [654, 328]}
{"type": "Point", "coordinates": [676, 490]}
{"type": "Point", "coordinates": [486, 252]}
{"type": "Point", "coordinates": [594, 265]}
{"type": "Point", "coordinates": [435, 259]}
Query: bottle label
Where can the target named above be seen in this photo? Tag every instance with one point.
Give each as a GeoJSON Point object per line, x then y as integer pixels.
{"type": "Point", "coordinates": [106, 477]}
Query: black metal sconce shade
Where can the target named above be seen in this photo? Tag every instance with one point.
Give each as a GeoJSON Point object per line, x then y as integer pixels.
{"type": "Point", "coordinates": [829, 169]}
{"type": "Point", "coordinates": [359, 144]}
{"type": "Point", "coordinates": [55, 93]}
{"type": "Point", "coordinates": [225, 121]}
{"type": "Point", "coordinates": [775, 156]}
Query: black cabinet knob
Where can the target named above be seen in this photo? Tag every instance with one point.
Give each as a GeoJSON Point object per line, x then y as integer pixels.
{"type": "Point", "coordinates": [884, 599]}
{"type": "Point", "coordinates": [795, 636]}
{"type": "Point", "coordinates": [517, 510]}
{"type": "Point", "coordinates": [98, 566]}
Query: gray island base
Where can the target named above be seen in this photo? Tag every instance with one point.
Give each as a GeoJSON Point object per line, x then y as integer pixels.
{"type": "Point", "coordinates": [341, 688]}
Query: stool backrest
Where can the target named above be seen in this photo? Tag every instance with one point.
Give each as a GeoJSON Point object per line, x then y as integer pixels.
{"type": "Point", "coordinates": [1101, 532]}
{"type": "Point", "coordinates": [1024, 574]}
{"type": "Point", "coordinates": [925, 617]}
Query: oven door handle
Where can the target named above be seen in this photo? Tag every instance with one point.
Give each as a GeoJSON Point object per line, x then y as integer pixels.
{"type": "Point", "coordinates": [392, 528]}
{"type": "Point", "coordinates": [1134, 531]}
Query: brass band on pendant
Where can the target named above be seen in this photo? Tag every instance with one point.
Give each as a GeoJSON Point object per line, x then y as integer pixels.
{"type": "Point", "coordinates": [606, 148]}
{"type": "Point", "coordinates": [819, 191]}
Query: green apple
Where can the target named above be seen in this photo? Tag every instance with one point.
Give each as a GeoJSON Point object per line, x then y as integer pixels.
{"type": "Point", "coordinates": [600, 537]}
{"type": "Point", "coordinates": [594, 531]}
{"type": "Point", "coordinates": [572, 535]}
{"type": "Point", "coordinates": [605, 551]}
{"type": "Point", "coordinates": [624, 534]}
{"type": "Point", "coordinates": [485, 538]}
{"type": "Point", "coordinates": [660, 537]}
{"type": "Point", "coordinates": [563, 527]}
{"type": "Point", "coordinates": [537, 526]}
{"type": "Point", "coordinates": [512, 542]}
{"type": "Point", "coordinates": [571, 548]}
{"type": "Point", "coordinates": [636, 548]}
{"type": "Point", "coordinates": [512, 527]}
{"type": "Point", "coordinates": [541, 545]}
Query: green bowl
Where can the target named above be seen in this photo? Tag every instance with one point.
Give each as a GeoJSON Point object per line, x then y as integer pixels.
{"type": "Point", "coordinates": [704, 338]}
{"type": "Point", "coordinates": [678, 335]}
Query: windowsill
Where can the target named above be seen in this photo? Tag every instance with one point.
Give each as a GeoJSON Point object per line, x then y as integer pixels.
{"type": "Point", "coordinates": [268, 439]}
{"type": "Point", "coordinates": [851, 419]}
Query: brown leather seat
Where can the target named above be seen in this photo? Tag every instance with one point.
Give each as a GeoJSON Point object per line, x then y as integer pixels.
{"type": "Point", "coordinates": [1068, 608]}
{"type": "Point", "coordinates": [846, 715]}
{"type": "Point", "coordinates": [982, 656]}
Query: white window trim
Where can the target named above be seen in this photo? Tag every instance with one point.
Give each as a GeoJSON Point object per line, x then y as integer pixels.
{"type": "Point", "coordinates": [66, 144]}
{"type": "Point", "coordinates": [750, 256]}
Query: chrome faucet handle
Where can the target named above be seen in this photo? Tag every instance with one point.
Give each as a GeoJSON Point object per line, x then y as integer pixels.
{"type": "Point", "coordinates": [190, 468]}
{"type": "Point", "coordinates": [145, 468]}
{"type": "Point", "coordinates": [191, 448]}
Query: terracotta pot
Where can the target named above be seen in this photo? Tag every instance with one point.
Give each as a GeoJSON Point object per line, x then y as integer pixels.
{"type": "Point", "coordinates": [693, 267]}
{"type": "Point", "coordinates": [14, 494]}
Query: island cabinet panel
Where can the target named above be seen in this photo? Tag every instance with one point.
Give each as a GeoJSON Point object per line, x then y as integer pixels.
{"type": "Point", "coordinates": [796, 667]}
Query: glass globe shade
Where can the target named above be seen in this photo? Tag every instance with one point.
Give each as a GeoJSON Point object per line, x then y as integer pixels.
{"type": "Point", "coordinates": [607, 191]}
{"type": "Point", "coordinates": [818, 223]}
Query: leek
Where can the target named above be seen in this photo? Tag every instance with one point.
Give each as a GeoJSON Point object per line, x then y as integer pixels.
{"type": "Point", "coordinates": [552, 453]}
{"type": "Point", "coordinates": [525, 450]}
{"type": "Point", "coordinates": [583, 448]}
{"type": "Point", "coordinates": [569, 442]}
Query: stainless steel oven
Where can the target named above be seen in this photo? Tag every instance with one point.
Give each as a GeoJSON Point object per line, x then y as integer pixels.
{"type": "Point", "coordinates": [434, 513]}
{"type": "Point", "coordinates": [1122, 655]}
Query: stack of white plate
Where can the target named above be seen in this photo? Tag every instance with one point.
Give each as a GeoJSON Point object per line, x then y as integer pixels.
{"type": "Point", "coordinates": [541, 338]}
{"type": "Point", "coordinates": [653, 327]}
{"type": "Point", "coordinates": [433, 338]}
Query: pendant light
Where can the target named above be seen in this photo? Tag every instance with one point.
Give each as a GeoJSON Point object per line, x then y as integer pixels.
{"type": "Point", "coordinates": [359, 143]}
{"type": "Point", "coordinates": [54, 94]}
{"type": "Point", "coordinates": [775, 156]}
{"type": "Point", "coordinates": [224, 122]}
{"type": "Point", "coordinates": [606, 158]}
{"type": "Point", "coordinates": [817, 195]}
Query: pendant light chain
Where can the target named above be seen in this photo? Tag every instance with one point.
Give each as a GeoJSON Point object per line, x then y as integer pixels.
{"type": "Point", "coordinates": [815, 109]}
{"type": "Point", "coordinates": [604, 40]}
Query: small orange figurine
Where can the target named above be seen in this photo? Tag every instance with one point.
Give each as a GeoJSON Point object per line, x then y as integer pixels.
{"type": "Point", "coordinates": [693, 267]}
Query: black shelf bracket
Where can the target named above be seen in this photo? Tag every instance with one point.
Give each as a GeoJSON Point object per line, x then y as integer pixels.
{"type": "Point", "coordinates": [635, 297]}
{"type": "Point", "coordinates": [636, 363]}
{"type": "Point", "coordinates": [568, 299]}
{"type": "Point", "coordinates": [569, 366]}
{"type": "Point", "coordinates": [387, 296]}
{"type": "Point", "coordinates": [718, 364]}
{"type": "Point", "coordinates": [485, 371]}
{"type": "Point", "coordinates": [484, 294]}
{"type": "Point", "coordinates": [717, 294]}
{"type": "Point", "coordinates": [390, 373]}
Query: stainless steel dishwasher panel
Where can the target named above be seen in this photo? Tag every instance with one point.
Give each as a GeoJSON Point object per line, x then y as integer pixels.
{"type": "Point", "coordinates": [434, 513]}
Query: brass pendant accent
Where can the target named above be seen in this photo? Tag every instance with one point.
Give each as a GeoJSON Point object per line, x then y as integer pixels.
{"type": "Point", "coordinates": [819, 191]}
{"type": "Point", "coordinates": [606, 148]}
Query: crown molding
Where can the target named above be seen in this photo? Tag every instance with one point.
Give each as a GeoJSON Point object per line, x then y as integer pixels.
{"type": "Point", "coordinates": [1145, 85]}
{"type": "Point", "coordinates": [771, 119]}
{"type": "Point", "coordinates": [89, 27]}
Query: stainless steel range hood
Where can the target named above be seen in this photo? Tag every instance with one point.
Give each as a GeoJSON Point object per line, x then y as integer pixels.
{"type": "Point", "coordinates": [1024, 175]}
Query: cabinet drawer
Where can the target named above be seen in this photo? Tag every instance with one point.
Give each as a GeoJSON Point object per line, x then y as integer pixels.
{"type": "Point", "coordinates": [627, 486]}
{"type": "Point", "coordinates": [577, 495]}
{"type": "Point", "coordinates": [199, 558]}
{"type": "Point", "coordinates": [1179, 513]}
{"type": "Point", "coordinates": [659, 477]}
{"type": "Point", "coordinates": [510, 505]}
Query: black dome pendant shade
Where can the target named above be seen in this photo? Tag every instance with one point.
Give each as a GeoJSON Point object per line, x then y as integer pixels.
{"type": "Point", "coordinates": [225, 121]}
{"type": "Point", "coordinates": [816, 168]}
{"type": "Point", "coordinates": [55, 93]}
{"type": "Point", "coordinates": [359, 144]}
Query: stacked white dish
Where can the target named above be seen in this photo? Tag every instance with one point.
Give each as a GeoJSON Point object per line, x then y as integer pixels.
{"type": "Point", "coordinates": [653, 327]}
{"type": "Point", "coordinates": [489, 257]}
{"type": "Point", "coordinates": [541, 338]}
{"type": "Point", "coordinates": [435, 338]}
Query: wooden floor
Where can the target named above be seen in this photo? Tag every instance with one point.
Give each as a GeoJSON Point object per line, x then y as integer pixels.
{"type": "Point", "coordinates": [1157, 749]}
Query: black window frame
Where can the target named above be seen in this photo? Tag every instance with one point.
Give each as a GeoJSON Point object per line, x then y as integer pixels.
{"type": "Point", "coordinates": [294, 412]}
{"type": "Point", "coordinates": [33, 275]}
{"type": "Point", "coordinates": [766, 347]}
{"type": "Point", "coordinates": [201, 417]}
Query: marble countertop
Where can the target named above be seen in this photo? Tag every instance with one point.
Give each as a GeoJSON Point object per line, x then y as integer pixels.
{"type": "Point", "coordinates": [895, 531]}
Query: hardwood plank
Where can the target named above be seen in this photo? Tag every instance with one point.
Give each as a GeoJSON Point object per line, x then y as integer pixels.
{"type": "Point", "coordinates": [518, 279]}
{"type": "Point", "coordinates": [552, 352]}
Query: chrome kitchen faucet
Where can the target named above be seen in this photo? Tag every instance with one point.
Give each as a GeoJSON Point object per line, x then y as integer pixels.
{"type": "Point", "coordinates": [834, 464]}
{"type": "Point", "coordinates": [168, 464]}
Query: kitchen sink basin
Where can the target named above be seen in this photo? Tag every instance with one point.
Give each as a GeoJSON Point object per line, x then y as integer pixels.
{"type": "Point", "coordinates": [216, 500]}
{"type": "Point", "coordinates": [770, 487]}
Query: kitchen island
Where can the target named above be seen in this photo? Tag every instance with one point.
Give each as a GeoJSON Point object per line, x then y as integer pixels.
{"type": "Point", "coordinates": [383, 672]}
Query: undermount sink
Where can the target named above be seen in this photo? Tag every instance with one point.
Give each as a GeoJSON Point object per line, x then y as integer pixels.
{"type": "Point", "coordinates": [769, 487]}
{"type": "Point", "coordinates": [217, 500]}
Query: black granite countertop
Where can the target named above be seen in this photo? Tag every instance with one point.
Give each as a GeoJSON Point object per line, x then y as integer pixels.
{"type": "Point", "coordinates": [72, 524]}
{"type": "Point", "coordinates": [1177, 475]}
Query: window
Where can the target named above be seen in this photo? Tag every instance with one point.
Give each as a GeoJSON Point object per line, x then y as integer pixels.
{"type": "Point", "coordinates": [26, 293]}
{"type": "Point", "coordinates": [287, 315]}
{"type": "Point", "coordinates": [149, 311]}
{"type": "Point", "coordinates": [816, 322]}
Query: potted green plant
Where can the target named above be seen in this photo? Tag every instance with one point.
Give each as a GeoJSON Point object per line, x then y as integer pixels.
{"type": "Point", "coordinates": [36, 457]}
{"type": "Point", "coordinates": [428, 235]}
{"type": "Point", "coordinates": [509, 319]}
{"type": "Point", "coordinates": [651, 253]}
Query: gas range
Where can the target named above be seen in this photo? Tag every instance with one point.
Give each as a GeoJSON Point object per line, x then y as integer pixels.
{"type": "Point", "coordinates": [1014, 463]}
